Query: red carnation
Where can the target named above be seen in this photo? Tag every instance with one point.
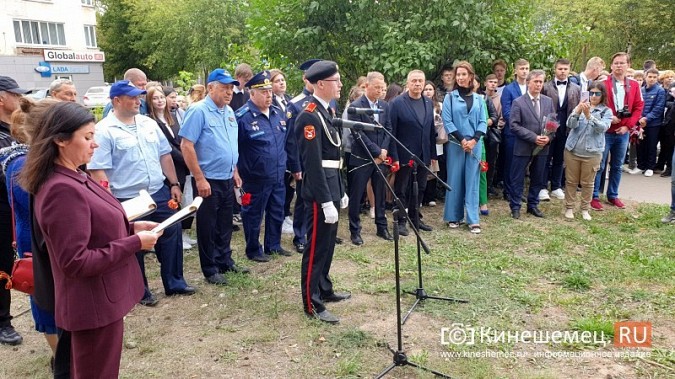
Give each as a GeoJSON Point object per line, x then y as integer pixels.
{"type": "Point", "coordinates": [395, 167]}
{"type": "Point", "coordinates": [246, 199]}
{"type": "Point", "coordinates": [388, 161]}
{"type": "Point", "coordinates": [411, 163]}
{"type": "Point", "coordinates": [483, 166]}
{"type": "Point", "coordinates": [173, 204]}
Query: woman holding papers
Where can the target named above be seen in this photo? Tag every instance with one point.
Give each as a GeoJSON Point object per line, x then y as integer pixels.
{"type": "Point", "coordinates": [92, 250]}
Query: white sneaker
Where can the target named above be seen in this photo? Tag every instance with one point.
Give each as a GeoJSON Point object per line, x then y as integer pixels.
{"type": "Point", "coordinates": [649, 173]}
{"type": "Point", "coordinates": [634, 171]}
{"type": "Point", "coordinates": [236, 219]}
{"type": "Point", "coordinates": [543, 195]}
{"type": "Point", "coordinates": [188, 239]}
{"type": "Point", "coordinates": [558, 194]}
{"type": "Point", "coordinates": [569, 214]}
{"type": "Point", "coordinates": [586, 216]}
{"type": "Point", "coordinates": [432, 203]}
{"type": "Point", "coordinates": [287, 226]}
{"type": "Point", "coordinates": [186, 245]}
{"type": "Point", "coordinates": [372, 212]}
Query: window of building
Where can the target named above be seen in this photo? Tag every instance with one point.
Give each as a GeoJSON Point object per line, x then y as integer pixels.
{"type": "Point", "coordinates": [90, 35]}
{"type": "Point", "coordinates": [29, 32]}
{"type": "Point", "coordinates": [88, 2]}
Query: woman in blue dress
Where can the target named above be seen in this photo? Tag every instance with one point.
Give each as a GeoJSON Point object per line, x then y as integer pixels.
{"type": "Point", "coordinates": [464, 119]}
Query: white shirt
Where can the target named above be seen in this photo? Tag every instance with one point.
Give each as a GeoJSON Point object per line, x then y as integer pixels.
{"type": "Point", "coordinates": [562, 90]}
{"type": "Point", "coordinates": [584, 81]}
{"type": "Point", "coordinates": [619, 93]}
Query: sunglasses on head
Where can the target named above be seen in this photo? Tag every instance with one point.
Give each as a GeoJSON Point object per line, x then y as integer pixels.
{"type": "Point", "coordinates": [594, 93]}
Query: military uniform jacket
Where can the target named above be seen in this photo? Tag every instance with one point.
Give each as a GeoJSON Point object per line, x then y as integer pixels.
{"type": "Point", "coordinates": [319, 141]}
{"type": "Point", "coordinates": [262, 142]}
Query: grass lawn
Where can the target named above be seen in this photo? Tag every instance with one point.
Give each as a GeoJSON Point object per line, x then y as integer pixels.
{"type": "Point", "coordinates": [519, 275]}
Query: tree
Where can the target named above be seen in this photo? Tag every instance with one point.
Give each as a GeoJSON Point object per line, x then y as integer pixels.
{"type": "Point", "coordinates": [168, 36]}
{"type": "Point", "coordinates": [396, 36]}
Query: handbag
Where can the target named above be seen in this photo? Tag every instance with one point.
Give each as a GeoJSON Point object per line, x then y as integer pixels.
{"type": "Point", "coordinates": [22, 278]}
{"type": "Point", "coordinates": [494, 136]}
{"type": "Point", "coordinates": [441, 134]}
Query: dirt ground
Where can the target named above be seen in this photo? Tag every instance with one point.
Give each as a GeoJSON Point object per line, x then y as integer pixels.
{"type": "Point", "coordinates": [255, 327]}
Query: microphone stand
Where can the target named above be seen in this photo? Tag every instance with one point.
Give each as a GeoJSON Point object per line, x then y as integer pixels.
{"type": "Point", "coordinates": [399, 356]}
{"type": "Point", "coordinates": [419, 292]}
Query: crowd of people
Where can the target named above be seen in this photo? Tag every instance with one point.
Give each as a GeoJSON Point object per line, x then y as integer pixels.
{"type": "Point", "coordinates": [249, 149]}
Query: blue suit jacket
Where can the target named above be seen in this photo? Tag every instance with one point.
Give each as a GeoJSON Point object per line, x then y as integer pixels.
{"type": "Point", "coordinates": [526, 126]}
{"type": "Point", "coordinates": [509, 94]}
{"type": "Point", "coordinates": [375, 140]}
{"type": "Point", "coordinates": [419, 138]}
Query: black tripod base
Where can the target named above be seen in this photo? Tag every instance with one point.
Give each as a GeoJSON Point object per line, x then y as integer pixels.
{"type": "Point", "coordinates": [421, 295]}
{"type": "Point", "coordinates": [400, 359]}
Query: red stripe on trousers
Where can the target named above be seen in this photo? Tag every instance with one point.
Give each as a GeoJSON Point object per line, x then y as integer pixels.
{"type": "Point", "coordinates": [312, 250]}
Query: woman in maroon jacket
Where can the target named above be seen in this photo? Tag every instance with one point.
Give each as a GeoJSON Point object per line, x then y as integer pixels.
{"type": "Point", "coordinates": [91, 243]}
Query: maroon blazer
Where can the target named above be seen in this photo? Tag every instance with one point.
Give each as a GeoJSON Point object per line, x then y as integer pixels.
{"type": "Point", "coordinates": [91, 245]}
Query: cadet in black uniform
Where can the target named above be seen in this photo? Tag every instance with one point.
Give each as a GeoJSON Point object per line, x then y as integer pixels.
{"type": "Point", "coordinates": [322, 191]}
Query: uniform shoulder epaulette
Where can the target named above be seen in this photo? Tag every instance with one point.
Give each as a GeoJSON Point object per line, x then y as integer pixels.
{"type": "Point", "coordinates": [311, 107]}
{"type": "Point", "coordinates": [240, 112]}
{"type": "Point", "coordinates": [298, 98]}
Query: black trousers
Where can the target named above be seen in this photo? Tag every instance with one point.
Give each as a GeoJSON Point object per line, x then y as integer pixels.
{"type": "Point", "coordinates": [214, 227]}
{"type": "Point", "coordinates": [667, 140]}
{"type": "Point", "coordinates": [317, 258]}
{"type": "Point", "coordinates": [358, 180]}
{"type": "Point", "coordinates": [290, 192]}
{"type": "Point", "coordinates": [646, 149]}
{"type": "Point", "coordinates": [6, 263]}
{"type": "Point", "coordinates": [403, 187]}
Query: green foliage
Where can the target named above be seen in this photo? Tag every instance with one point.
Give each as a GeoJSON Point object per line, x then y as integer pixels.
{"type": "Point", "coordinates": [168, 36]}
{"type": "Point", "coordinates": [642, 28]}
{"type": "Point", "coordinates": [399, 35]}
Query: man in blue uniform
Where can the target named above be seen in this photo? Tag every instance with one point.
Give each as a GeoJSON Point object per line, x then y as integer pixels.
{"type": "Point", "coordinates": [323, 189]}
{"type": "Point", "coordinates": [262, 165]}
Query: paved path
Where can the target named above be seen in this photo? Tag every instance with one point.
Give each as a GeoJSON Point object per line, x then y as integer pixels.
{"type": "Point", "coordinates": [640, 188]}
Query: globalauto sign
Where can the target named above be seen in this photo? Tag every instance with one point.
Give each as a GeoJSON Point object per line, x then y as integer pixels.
{"type": "Point", "coordinates": [74, 56]}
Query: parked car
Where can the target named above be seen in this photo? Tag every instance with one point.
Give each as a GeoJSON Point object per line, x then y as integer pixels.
{"type": "Point", "coordinates": [38, 93]}
{"type": "Point", "coordinates": [97, 97]}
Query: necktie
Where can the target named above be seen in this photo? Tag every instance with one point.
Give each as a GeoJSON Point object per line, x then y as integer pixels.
{"type": "Point", "coordinates": [536, 107]}
{"type": "Point", "coordinates": [559, 83]}
{"type": "Point", "coordinates": [283, 103]}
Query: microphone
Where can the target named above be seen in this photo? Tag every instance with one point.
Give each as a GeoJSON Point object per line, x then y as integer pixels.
{"type": "Point", "coordinates": [360, 126]}
{"type": "Point", "coordinates": [366, 111]}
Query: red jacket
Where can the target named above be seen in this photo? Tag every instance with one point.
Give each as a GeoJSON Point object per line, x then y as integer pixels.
{"type": "Point", "coordinates": [91, 245]}
{"type": "Point", "coordinates": [635, 104]}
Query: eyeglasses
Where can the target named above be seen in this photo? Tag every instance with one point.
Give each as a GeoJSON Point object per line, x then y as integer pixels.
{"type": "Point", "coordinates": [593, 93]}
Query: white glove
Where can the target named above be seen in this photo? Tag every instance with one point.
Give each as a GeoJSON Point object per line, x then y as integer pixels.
{"type": "Point", "coordinates": [330, 212]}
{"type": "Point", "coordinates": [344, 202]}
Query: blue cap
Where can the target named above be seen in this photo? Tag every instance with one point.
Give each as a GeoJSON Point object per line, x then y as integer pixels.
{"type": "Point", "coordinates": [125, 88]}
{"type": "Point", "coordinates": [307, 64]}
{"type": "Point", "coordinates": [261, 80]}
{"type": "Point", "coordinates": [221, 75]}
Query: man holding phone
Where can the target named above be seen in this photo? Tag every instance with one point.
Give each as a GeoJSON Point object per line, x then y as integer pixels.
{"type": "Point", "coordinates": [565, 96]}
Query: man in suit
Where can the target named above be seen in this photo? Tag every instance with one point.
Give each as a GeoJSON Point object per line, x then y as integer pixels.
{"type": "Point", "coordinates": [526, 119]}
{"type": "Point", "coordinates": [625, 100]}
{"type": "Point", "coordinates": [375, 143]}
{"type": "Point", "coordinates": [412, 123]}
{"type": "Point", "coordinates": [322, 190]}
{"type": "Point", "coordinates": [512, 91]}
{"type": "Point", "coordinates": [565, 96]}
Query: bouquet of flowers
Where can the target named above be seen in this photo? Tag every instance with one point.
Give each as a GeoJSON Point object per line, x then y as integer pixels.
{"type": "Point", "coordinates": [551, 125]}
